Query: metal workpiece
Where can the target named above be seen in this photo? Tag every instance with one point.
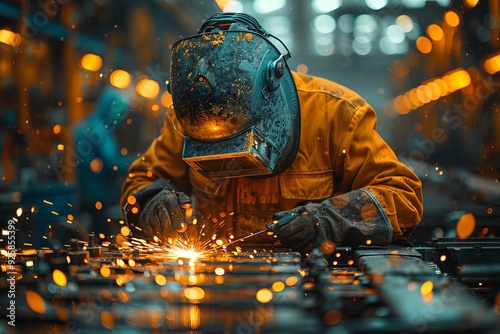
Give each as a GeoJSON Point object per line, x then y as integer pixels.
{"type": "Point", "coordinates": [248, 289]}
{"type": "Point", "coordinates": [394, 293]}
{"type": "Point", "coordinates": [141, 287]}
{"type": "Point", "coordinates": [93, 248]}
{"type": "Point", "coordinates": [392, 265]}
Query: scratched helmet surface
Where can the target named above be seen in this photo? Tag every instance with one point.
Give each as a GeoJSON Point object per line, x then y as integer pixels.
{"type": "Point", "coordinates": [229, 80]}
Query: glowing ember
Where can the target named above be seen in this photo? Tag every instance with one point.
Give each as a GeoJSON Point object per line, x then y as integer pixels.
{"type": "Point", "coordinates": [426, 288]}
{"type": "Point", "coordinates": [59, 278]}
{"type": "Point", "coordinates": [35, 302]}
{"type": "Point", "coordinates": [465, 226]}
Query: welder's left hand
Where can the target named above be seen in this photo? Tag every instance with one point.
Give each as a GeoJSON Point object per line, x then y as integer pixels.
{"type": "Point", "coordinates": [163, 212]}
{"type": "Point", "coordinates": [350, 219]}
{"type": "Point", "coordinates": [165, 215]}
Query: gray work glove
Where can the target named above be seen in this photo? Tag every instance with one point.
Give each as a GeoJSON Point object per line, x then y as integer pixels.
{"type": "Point", "coordinates": [164, 215]}
{"type": "Point", "coordinates": [351, 219]}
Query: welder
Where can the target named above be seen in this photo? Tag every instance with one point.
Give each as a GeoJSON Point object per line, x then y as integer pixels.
{"type": "Point", "coordinates": [247, 141]}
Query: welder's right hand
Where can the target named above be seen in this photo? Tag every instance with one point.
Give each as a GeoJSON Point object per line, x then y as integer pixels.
{"type": "Point", "coordinates": [165, 215]}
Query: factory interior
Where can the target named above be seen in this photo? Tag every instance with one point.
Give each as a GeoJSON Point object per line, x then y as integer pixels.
{"type": "Point", "coordinates": [429, 68]}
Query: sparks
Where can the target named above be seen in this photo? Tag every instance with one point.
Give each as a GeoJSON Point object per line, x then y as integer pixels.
{"type": "Point", "coordinates": [197, 242]}
{"type": "Point", "coordinates": [191, 254]}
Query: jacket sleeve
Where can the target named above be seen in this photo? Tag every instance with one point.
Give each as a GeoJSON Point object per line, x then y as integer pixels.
{"type": "Point", "coordinates": [162, 160]}
{"type": "Point", "coordinates": [366, 161]}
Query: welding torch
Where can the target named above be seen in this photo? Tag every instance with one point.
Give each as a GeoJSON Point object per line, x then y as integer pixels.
{"type": "Point", "coordinates": [272, 226]}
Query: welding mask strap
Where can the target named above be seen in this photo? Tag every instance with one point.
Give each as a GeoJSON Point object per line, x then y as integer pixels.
{"type": "Point", "coordinates": [169, 117]}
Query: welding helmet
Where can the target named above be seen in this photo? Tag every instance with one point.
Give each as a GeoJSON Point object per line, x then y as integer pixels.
{"type": "Point", "coordinates": [235, 98]}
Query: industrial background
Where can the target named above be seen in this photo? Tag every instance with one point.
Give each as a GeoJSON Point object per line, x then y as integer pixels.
{"type": "Point", "coordinates": [428, 67]}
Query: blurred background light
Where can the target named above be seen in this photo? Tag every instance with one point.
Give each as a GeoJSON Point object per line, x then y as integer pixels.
{"type": "Point", "coordinates": [424, 44]}
{"type": "Point", "coordinates": [395, 34]}
{"type": "Point", "coordinates": [120, 78]}
{"type": "Point", "coordinates": [230, 5]}
{"type": "Point", "coordinates": [166, 99]}
{"type": "Point", "coordinates": [492, 64]}
{"type": "Point", "coordinates": [376, 4]}
{"type": "Point", "coordinates": [302, 68]}
{"type": "Point", "coordinates": [492, 21]}
{"type": "Point", "coordinates": [400, 105]}
{"type": "Point", "coordinates": [91, 62]}
{"type": "Point", "coordinates": [405, 23]}
{"type": "Point", "coordinates": [431, 91]}
{"type": "Point", "coordinates": [388, 47]}
{"type": "Point", "coordinates": [471, 3]}
{"type": "Point", "coordinates": [365, 25]}
{"type": "Point", "coordinates": [435, 91]}
{"type": "Point", "coordinates": [147, 88]}
{"type": "Point", "coordinates": [452, 18]}
{"type": "Point", "coordinates": [362, 45]}
{"type": "Point", "coordinates": [415, 32]}
{"type": "Point", "coordinates": [424, 94]}
{"type": "Point", "coordinates": [10, 38]}
{"type": "Point", "coordinates": [444, 3]}
{"type": "Point", "coordinates": [461, 78]}
{"type": "Point", "coordinates": [266, 6]}
{"type": "Point", "coordinates": [483, 34]}
{"type": "Point", "coordinates": [281, 27]}
{"type": "Point", "coordinates": [413, 98]}
{"type": "Point", "coordinates": [401, 68]}
{"type": "Point", "coordinates": [443, 88]}
{"type": "Point", "coordinates": [322, 6]}
{"type": "Point", "coordinates": [324, 45]}
{"type": "Point", "coordinates": [324, 24]}
{"type": "Point", "coordinates": [435, 32]}
{"type": "Point", "coordinates": [413, 3]}
{"type": "Point", "coordinates": [346, 23]}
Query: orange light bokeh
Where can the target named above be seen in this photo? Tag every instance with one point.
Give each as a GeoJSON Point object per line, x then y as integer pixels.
{"type": "Point", "coordinates": [435, 32]}
{"type": "Point", "coordinates": [452, 18]}
{"type": "Point", "coordinates": [424, 44]}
